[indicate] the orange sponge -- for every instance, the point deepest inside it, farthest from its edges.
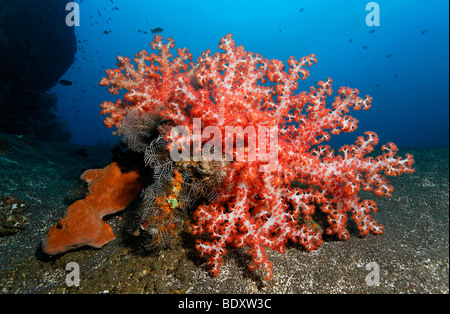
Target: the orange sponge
(110, 191)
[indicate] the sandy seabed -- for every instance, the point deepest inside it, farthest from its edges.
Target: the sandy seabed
(412, 256)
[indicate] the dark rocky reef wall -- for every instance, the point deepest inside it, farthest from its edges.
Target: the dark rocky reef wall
(36, 49)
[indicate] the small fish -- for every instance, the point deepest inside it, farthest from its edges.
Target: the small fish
(350, 41)
(65, 82)
(364, 47)
(157, 30)
(396, 75)
(371, 31)
(424, 31)
(388, 56)
(301, 10)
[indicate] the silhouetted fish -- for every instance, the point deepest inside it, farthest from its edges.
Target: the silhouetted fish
(65, 82)
(157, 30)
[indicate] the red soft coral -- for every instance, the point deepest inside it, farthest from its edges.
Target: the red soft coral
(235, 91)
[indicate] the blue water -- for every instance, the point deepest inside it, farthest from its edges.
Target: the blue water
(409, 88)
